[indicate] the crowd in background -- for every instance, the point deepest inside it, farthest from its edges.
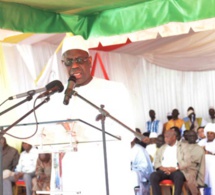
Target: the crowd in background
(177, 151)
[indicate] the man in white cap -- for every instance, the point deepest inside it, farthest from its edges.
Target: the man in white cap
(210, 134)
(84, 170)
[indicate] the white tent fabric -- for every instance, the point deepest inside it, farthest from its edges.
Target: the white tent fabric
(188, 52)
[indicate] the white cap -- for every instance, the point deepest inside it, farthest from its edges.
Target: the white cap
(74, 42)
(190, 112)
(153, 135)
(210, 127)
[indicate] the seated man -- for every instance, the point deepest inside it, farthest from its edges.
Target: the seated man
(193, 122)
(153, 125)
(201, 136)
(197, 157)
(210, 144)
(175, 121)
(43, 173)
(173, 161)
(10, 156)
(142, 167)
(24, 170)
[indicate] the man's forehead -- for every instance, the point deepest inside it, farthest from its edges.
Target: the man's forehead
(169, 133)
(211, 132)
(75, 52)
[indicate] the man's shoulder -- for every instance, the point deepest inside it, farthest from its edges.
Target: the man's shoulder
(101, 82)
(198, 148)
(162, 148)
(182, 145)
(12, 149)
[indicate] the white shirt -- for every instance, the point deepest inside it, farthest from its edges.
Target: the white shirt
(27, 161)
(170, 156)
(84, 170)
(210, 146)
(202, 142)
(151, 149)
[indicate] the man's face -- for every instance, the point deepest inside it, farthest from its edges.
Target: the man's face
(160, 141)
(191, 137)
(211, 112)
(170, 137)
(200, 133)
(80, 67)
(210, 136)
(26, 146)
(175, 114)
(185, 135)
(152, 114)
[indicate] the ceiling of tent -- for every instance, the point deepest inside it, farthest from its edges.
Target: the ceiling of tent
(149, 28)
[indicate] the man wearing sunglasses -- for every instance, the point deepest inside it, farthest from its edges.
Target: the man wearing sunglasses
(84, 170)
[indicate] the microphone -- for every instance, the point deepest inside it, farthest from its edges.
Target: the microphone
(32, 92)
(192, 118)
(54, 86)
(69, 90)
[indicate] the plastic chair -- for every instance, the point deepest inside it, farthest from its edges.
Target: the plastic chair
(169, 183)
(20, 188)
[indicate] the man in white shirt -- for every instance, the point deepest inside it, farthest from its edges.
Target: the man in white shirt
(172, 161)
(201, 136)
(25, 169)
(84, 170)
(210, 144)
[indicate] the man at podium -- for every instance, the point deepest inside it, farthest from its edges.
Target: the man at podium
(83, 171)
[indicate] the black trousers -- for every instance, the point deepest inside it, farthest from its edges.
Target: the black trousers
(177, 177)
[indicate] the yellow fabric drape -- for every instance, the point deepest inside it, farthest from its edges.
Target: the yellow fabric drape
(5, 89)
(56, 51)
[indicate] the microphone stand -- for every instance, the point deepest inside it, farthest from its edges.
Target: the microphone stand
(105, 113)
(102, 116)
(25, 115)
(8, 128)
(1, 135)
(19, 103)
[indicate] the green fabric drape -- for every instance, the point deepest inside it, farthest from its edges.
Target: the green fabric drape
(112, 21)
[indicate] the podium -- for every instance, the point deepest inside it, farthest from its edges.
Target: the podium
(53, 138)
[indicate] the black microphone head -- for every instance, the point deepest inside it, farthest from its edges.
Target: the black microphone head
(72, 78)
(55, 83)
(60, 86)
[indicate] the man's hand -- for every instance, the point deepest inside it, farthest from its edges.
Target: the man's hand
(168, 170)
(41, 177)
(17, 176)
(146, 140)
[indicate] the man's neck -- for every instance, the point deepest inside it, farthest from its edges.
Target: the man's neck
(4, 147)
(173, 144)
(152, 119)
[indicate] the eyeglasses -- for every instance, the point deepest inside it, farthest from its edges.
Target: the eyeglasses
(80, 60)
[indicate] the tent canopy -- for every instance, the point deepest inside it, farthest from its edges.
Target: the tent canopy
(99, 18)
(169, 33)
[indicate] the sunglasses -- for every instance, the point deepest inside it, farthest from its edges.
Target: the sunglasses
(80, 60)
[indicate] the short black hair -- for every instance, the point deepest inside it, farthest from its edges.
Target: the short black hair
(177, 132)
(201, 127)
